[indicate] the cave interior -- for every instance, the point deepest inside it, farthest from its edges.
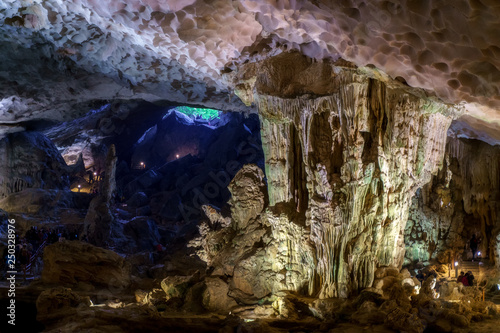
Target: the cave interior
(250, 166)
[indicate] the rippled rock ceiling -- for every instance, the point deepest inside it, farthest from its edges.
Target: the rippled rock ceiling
(57, 56)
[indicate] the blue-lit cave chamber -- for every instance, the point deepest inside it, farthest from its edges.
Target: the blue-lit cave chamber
(170, 162)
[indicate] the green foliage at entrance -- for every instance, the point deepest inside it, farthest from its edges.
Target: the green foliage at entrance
(207, 114)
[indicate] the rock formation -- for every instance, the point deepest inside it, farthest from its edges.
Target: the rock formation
(461, 200)
(349, 162)
(351, 152)
(78, 264)
(341, 171)
(99, 220)
(30, 160)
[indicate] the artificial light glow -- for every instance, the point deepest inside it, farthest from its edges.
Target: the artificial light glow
(456, 263)
(207, 114)
(79, 186)
(177, 156)
(479, 253)
(95, 173)
(142, 163)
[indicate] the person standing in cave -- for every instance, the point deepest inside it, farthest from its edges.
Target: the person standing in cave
(473, 245)
(91, 176)
(470, 278)
(465, 280)
(420, 276)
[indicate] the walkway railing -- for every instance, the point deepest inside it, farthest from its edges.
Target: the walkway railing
(28, 267)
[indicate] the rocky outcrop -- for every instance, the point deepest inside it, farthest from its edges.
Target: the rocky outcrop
(71, 263)
(30, 160)
(58, 303)
(99, 219)
(43, 202)
(461, 200)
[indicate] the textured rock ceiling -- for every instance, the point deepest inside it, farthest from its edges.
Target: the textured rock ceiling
(60, 57)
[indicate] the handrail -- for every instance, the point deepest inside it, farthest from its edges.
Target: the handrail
(34, 256)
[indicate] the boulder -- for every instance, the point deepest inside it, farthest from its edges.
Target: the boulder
(138, 199)
(143, 232)
(402, 321)
(70, 262)
(215, 296)
(177, 286)
(285, 308)
(382, 272)
(369, 314)
(384, 283)
(57, 303)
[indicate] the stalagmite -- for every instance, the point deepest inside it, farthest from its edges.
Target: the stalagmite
(98, 221)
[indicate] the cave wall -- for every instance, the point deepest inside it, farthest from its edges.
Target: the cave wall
(30, 160)
(461, 200)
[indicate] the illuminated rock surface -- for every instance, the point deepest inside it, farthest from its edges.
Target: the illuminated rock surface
(350, 151)
(461, 200)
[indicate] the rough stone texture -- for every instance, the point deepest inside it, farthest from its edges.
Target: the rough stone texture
(350, 163)
(461, 200)
(57, 303)
(247, 196)
(38, 201)
(109, 183)
(177, 286)
(143, 233)
(98, 221)
(260, 249)
(215, 296)
(341, 171)
(58, 55)
(71, 262)
(30, 160)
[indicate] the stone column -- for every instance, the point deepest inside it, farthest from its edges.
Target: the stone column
(348, 161)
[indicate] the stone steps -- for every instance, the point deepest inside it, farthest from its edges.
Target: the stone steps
(473, 266)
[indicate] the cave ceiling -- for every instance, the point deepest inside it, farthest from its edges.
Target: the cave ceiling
(61, 57)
